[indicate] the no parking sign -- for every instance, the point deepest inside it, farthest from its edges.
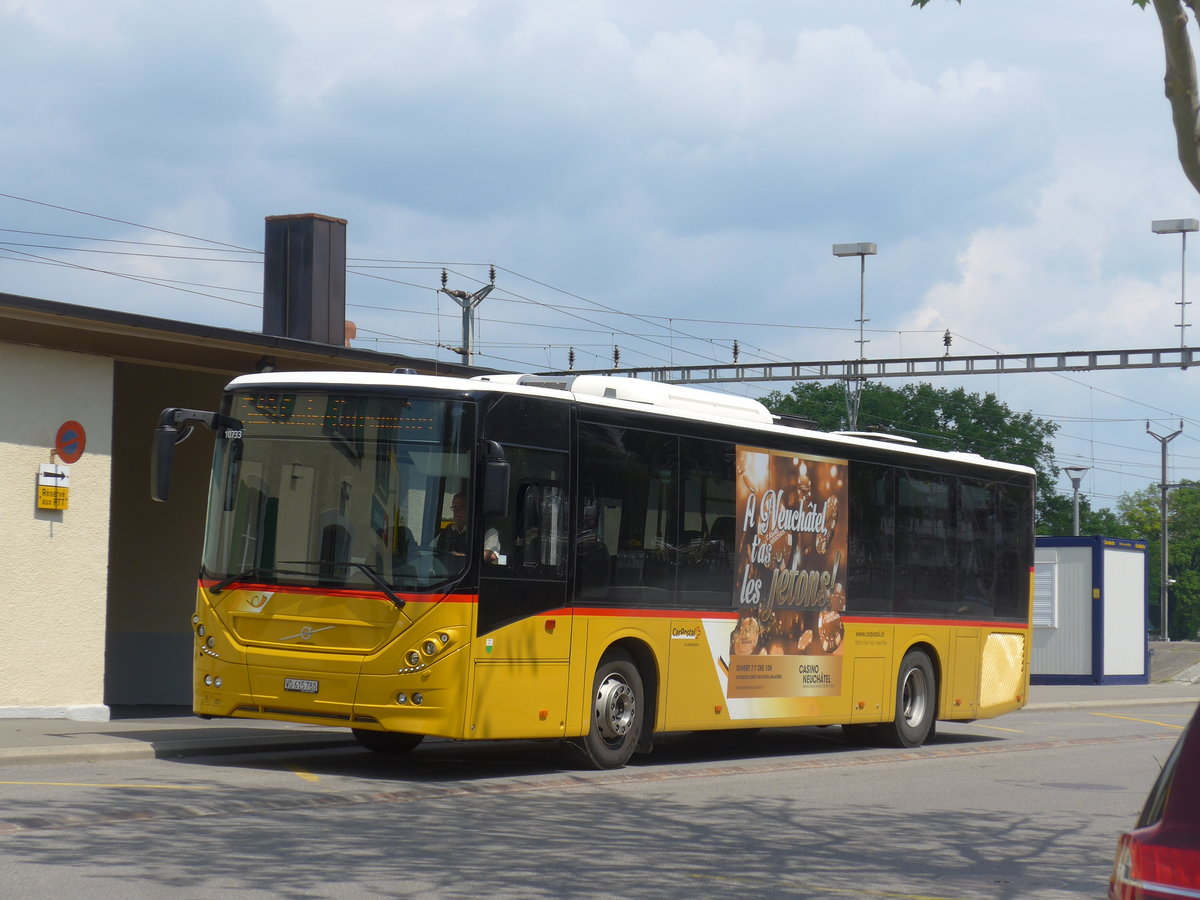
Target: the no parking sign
(70, 441)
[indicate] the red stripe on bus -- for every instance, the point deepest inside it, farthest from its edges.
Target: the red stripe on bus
(207, 584)
(854, 620)
(652, 613)
(962, 623)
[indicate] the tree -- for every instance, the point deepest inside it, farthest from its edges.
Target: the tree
(1141, 512)
(1102, 521)
(941, 419)
(1056, 516)
(1180, 83)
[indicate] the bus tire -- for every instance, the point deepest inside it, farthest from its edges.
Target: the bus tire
(916, 703)
(617, 709)
(395, 743)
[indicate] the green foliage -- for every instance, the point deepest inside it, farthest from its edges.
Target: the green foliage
(1103, 521)
(1057, 517)
(940, 419)
(1142, 513)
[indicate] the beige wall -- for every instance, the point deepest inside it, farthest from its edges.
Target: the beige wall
(53, 581)
(155, 550)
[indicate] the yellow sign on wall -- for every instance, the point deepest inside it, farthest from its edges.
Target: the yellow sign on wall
(54, 483)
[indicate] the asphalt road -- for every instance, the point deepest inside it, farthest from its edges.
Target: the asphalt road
(1028, 805)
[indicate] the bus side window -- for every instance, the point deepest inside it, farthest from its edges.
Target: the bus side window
(708, 523)
(925, 550)
(1015, 514)
(631, 476)
(977, 548)
(872, 537)
(532, 538)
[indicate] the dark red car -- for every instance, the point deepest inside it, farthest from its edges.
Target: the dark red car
(1160, 858)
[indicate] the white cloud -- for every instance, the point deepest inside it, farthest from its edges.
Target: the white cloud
(1054, 274)
(684, 158)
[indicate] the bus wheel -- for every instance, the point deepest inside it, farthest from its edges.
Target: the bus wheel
(617, 706)
(394, 742)
(916, 703)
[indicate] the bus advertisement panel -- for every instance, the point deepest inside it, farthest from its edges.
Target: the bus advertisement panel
(791, 553)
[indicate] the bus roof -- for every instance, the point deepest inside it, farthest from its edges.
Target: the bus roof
(653, 397)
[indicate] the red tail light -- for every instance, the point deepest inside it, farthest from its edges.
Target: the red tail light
(1154, 863)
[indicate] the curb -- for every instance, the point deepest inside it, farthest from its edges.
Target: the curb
(1090, 704)
(167, 749)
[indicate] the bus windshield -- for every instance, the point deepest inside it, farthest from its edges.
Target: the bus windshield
(338, 490)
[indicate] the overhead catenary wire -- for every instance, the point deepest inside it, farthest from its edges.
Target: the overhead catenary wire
(664, 333)
(80, 212)
(144, 279)
(669, 332)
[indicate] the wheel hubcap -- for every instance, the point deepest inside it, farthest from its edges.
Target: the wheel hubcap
(914, 697)
(615, 708)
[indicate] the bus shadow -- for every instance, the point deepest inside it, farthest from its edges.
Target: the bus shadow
(441, 761)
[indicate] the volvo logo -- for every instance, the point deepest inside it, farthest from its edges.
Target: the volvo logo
(306, 633)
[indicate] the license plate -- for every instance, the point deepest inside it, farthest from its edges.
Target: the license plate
(302, 685)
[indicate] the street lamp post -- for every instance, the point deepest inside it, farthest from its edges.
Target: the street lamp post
(854, 392)
(1180, 227)
(1075, 473)
(1162, 585)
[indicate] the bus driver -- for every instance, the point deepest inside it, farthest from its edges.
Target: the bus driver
(452, 540)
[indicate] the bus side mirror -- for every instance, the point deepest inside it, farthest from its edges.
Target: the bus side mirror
(162, 460)
(173, 428)
(495, 481)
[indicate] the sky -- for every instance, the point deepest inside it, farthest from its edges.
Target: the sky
(665, 178)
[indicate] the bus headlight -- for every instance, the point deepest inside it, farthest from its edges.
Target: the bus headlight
(430, 648)
(413, 658)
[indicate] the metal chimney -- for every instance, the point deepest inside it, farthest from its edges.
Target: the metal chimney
(304, 278)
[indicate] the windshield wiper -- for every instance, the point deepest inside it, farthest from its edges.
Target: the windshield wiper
(375, 578)
(250, 573)
(379, 582)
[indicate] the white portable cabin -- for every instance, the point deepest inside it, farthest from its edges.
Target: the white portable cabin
(1090, 611)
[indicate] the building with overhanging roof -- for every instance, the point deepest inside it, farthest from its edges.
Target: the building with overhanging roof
(96, 598)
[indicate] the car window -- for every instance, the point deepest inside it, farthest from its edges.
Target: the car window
(1155, 803)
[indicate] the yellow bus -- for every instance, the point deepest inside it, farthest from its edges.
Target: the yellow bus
(593, 560)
